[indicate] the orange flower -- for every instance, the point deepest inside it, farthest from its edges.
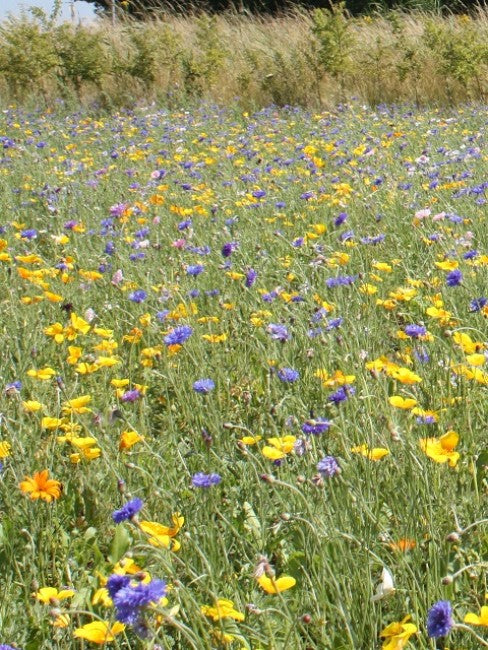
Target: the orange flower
(40, 486)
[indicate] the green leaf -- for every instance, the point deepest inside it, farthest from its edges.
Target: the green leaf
(120, 544)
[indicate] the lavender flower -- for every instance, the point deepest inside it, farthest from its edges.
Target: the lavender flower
(439, 619)
(316, 427)
(128, 510)
(178, 335)
(138, 296)
(288, 375)
(328, 466)
(131, 599)
(201, 480)
(228, 248)
(251, 276)
(477, 304)
(341, 394)
(415, 331)
(454, 278)
(195, 270)
(278, 332)
(131, 395)
(203, 386)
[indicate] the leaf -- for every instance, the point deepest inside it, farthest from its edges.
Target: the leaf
(120, 544)
(251, 523)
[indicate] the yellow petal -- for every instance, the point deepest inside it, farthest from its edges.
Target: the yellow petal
(271, 586)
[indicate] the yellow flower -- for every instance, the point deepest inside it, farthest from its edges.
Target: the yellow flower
(77, 405)
(4, 449)
(40, 486)
(79, 324)
(441, 450)
(278, 447)
(377, 453)
(51, 423)
(102, 597)
(162, 536)
(50, 595)
(402, 402)
(223, 609)
(474, 619)
(128, 439)
(31, 406)
(397, 634)
(276, 585)
(250, 440)
(56, 331)
(44, 373)
(99, 632)
(403, 375)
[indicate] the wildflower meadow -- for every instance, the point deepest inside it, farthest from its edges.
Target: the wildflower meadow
(244, 378)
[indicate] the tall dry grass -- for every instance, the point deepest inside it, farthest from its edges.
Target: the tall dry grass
(300, 58)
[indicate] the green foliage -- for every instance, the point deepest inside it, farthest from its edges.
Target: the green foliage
(82, 57)
(27, 54)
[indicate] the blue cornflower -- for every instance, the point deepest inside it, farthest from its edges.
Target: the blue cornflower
(251, 276)
(259, 194)
(4, 646)
(30, 233)
(340, 280)
(415, 331)
(117, 582)
(334, 323)
(298, 242)
(13, 387)
(178, 335)
(138, 296)
(195, 270)
(128, 510)
(203, 386)
(339, 220)
(131, 395)
(477, 304)
(341, 394)
(328, 466)
(278, 332)
(131, 599)
(201, 480)
(421, 355)
(454, 278)
(109, 248)
(228, 248)
(183, 225)
(439, 619)
(316, 427)
(288, 375)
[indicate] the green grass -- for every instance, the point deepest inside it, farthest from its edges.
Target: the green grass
(333, 535)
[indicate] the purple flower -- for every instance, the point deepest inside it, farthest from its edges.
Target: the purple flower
(477, 304)
(328, 466)
(195, 270)
(334, 323)
(341, 394)
(131, 395)
(128, 510)
(454, 278)
(259, 194)
(339, 220)
(229, 248)
(178, 335)
(316, 427)
(13, 387)
(201, 480)
(278, 332)
(415, 331)
(131, 599)
(117, 582)
(340, 280)
(439, 619)
(288, 375)
(118, 209)
(4, 646)
(138, 296)
(30, 233)
(251, 276)
(203, 386)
